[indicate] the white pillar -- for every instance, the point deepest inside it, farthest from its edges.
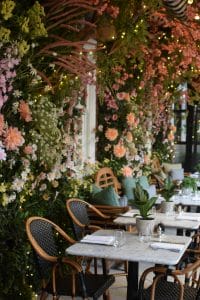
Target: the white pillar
(89, 118)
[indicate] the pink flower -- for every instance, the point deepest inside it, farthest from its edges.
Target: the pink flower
(170, 136)
(131, 119)
(114, 117)
(120, 96)
(119, 150)
(127, 171)
(24, 111)
(123, 96)
(129, 137)
(28, 149)
(111, 134)
(115, 87)
(172, 128)
(13, 138)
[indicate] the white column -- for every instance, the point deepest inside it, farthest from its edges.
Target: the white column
(89, 118)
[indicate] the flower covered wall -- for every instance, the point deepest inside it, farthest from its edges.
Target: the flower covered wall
(44, 68)
(141, 56)
(141, 65)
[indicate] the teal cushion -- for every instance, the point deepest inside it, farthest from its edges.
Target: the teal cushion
(143, 181)
(96, 189)
(106, 196)
(128, 184)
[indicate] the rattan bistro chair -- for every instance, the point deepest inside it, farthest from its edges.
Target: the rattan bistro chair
(61, 276)
(78, 211)
(103, 179)
(194, 247)
(184, 284)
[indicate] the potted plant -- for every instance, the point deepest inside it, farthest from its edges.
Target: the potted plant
(189, 185)
(167, 205)
(142, 201)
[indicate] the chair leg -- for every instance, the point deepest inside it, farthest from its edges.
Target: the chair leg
(95, 266)
(43, 295)
(107, 295)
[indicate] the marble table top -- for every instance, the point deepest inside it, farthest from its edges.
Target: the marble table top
(133, 250)
(167, 220)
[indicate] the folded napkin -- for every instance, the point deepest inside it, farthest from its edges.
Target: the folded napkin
(167, 246)
(98, 239)
(188, 218)
(129, 214)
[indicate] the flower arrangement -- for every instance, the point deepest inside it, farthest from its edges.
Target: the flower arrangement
(143, 78)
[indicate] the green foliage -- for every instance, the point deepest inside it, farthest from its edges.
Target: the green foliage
(197, 168)
(13, 254)
(189, 182)
(142, 201)
(168, 190)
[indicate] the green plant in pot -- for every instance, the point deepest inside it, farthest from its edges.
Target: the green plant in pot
(189, 185)
(168, 190)
(142, 201)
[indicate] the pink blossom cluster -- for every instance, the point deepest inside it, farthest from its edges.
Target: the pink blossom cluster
(106, 7)
(121, 76)
(10, 138)
(110, 101)
(7, 74)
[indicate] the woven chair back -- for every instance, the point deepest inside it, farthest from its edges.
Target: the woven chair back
(78, 211)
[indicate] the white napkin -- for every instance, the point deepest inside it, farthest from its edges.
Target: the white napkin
(167, 246)
(129, 214)
(188, 218)
(98, 239)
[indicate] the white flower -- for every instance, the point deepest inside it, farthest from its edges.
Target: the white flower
(137, 157)
(17, 93)
(63, 168)
(51, 176)
(3, 154)
(43, 187)
(52, 65)
(24, 174)
(12, 197)
(18, 185)
(100, 128)
(15, 107)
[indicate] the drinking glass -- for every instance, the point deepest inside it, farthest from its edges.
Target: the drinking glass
(153, 212)
(119, 238)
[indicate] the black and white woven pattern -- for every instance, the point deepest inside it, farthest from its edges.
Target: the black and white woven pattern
(42, 232)
(177, 8)
(79, 209)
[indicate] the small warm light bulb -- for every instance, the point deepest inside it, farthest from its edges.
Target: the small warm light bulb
(190, 1)
(197, 17)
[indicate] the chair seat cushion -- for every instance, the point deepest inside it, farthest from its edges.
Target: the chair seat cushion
(106, 196)
(96, 285)
(166, 290)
